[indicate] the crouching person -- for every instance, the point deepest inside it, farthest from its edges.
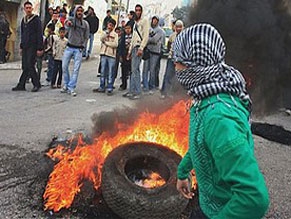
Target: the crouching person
(109, 43)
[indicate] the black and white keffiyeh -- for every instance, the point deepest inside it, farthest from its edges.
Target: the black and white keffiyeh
(202, 49)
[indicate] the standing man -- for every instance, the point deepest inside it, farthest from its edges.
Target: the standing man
(170, 81)
(31, 45)
(109, 43)
(154, 44)
(139, 41)
(48, 15)
(106, 20)
(93, 21)
(131, 21)
(78, 34)
(56, 21)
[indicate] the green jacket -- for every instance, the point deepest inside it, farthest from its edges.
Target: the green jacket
(221, 150)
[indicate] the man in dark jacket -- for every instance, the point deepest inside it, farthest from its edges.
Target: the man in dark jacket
(93, 21)
(106, 20)
(131, 21)
(4, 34)
(31, 45)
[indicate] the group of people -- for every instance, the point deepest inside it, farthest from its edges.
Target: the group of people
(65, 38)
(62, 40)
(126, 45)
(221, 147)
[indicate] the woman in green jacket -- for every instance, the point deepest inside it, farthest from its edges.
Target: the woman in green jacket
(221, 147)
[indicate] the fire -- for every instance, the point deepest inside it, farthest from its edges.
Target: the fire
(154, 180)
(85, 161)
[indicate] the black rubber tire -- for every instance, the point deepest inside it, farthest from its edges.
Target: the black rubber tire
(131, 201)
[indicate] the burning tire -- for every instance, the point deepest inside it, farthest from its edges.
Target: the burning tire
(122, 172)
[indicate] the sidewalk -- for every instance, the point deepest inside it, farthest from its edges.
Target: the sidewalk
(15, 65)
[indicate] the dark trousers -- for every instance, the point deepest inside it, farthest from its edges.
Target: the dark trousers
(125, 72)
(28, 68)
(58, 71)
(3, 40)
(116, 66)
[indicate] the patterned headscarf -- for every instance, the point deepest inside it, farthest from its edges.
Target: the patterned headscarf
(202, 49)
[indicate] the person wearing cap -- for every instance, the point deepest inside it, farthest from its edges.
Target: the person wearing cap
(93, 21)
(106, 20)
(138, 43)
(169, 81)
(155, 40)
(221, 145)
(78, 35)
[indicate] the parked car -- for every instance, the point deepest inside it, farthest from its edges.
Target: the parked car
(168, 32)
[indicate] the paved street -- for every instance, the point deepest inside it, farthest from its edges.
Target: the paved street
(36, 117)
(28, 122)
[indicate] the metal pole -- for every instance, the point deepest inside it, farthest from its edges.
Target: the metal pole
(43, 11)
(119, 7)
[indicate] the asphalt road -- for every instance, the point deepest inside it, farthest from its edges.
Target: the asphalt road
(29, 121)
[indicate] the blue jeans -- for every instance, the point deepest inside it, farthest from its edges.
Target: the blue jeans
(168, 77)
(135, 83)
(90, 41)
(145, 74)
(149, 72)
(50, 69)
(107, 72)
(70, 82)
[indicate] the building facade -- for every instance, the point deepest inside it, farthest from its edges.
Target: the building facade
(14, 13)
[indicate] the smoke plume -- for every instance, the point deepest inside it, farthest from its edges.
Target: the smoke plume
(106, 121)
(257, 34)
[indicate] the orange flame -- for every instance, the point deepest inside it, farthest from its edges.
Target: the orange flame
(154, 180)
(85, 161)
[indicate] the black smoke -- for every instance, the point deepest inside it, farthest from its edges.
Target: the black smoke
(258, 39)
(126, 116)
